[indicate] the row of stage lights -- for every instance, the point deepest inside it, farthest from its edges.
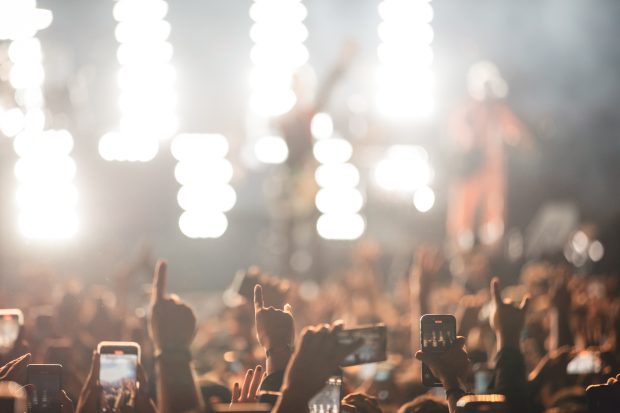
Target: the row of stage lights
(46, 196)
(148, 116)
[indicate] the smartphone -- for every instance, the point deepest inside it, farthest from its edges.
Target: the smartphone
(11, 321)
(437, 333)
(585, 362)
(117, 371)
(373, 347)
(46, 380)
(482, 403)
(328, 399)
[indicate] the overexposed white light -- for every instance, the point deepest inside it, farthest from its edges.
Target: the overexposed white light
(333, 150)
(140, 10)
(276, 103)
(271, 150)
(338, 175)
(189, 146)
(405, 176)
(208, 173)
(424, 199)
(197, 224)
(404, 78)
(339, 200)
(11, 122)
(580, 242)
(217, 198)
(596, 251)
(25, 50)
(322, 126)
(278, 52)
(340, 226)
(47, 226)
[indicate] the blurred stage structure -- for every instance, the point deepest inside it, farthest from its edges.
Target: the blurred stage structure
(284, 131)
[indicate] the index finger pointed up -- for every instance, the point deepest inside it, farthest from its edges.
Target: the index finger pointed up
(258, 298)
(495, 291)
(159, 281)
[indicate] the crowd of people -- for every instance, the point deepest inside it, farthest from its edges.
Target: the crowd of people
(545, 342)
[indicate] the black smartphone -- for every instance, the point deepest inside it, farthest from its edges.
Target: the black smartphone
(437, 333)
(46, 381)
(11, 321)
(118, 368)
(373, 348)
(328, 399)
(482, 403)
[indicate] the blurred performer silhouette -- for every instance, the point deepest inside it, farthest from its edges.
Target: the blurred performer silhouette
(295, 127)
(479, 130)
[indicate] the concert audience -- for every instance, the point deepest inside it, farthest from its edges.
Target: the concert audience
(278, 344)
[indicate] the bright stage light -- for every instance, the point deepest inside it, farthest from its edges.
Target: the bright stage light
(197, 146)
(211, 172)
(340, 175)
(338, 200)
(404, 168)
(424, 199)
(332, 151)
(340, 226)
(322, 126)
(146, 80)
(46, 197)
(404, 78)
(12, 121)
(271, 150)
(278, 34)
(204, 175)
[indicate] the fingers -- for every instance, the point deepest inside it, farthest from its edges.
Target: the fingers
(256, 379)
(66, 405)
(259, 304)
(525, 302)
(495, 291)
(93, 375)
(142, 382)
(288, 308)
(419, 355)
(246, 382)
(236, 393)
(159, 281)
(460, 341)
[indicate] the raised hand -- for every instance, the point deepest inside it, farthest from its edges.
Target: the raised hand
(91, 391)
(274, 327)
(450, 367)
(16, 370)
(507, 319)
(172, 324)
(313, 362)
(360, 403)
(247, 392)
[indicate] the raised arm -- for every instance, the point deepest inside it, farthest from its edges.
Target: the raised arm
(172, 326)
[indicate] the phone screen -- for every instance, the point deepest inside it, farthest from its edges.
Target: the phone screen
(373, 348)
(585, 362)
(117, 375)
(328, 399)
(9, 330)
(46, 382)
(437, 333)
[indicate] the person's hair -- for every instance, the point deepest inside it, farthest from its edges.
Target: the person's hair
(425, 404)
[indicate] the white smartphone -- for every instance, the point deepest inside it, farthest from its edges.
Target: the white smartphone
(11, 321)
(117, 371)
